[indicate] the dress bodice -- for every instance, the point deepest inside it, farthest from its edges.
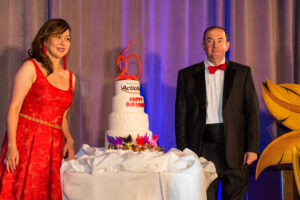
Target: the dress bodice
(43, 97)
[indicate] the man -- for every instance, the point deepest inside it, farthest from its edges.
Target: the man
(217, 115)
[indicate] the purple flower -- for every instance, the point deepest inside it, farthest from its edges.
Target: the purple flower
(118, 141)
(110, 139)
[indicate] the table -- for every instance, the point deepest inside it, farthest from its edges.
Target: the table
(122, 175)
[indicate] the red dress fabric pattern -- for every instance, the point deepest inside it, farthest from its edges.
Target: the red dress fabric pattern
(37, 176)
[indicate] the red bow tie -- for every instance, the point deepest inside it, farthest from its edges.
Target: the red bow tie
(213, 69)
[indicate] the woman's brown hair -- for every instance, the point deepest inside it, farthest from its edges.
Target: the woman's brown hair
(51, 28)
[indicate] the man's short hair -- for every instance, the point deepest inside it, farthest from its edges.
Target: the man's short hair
(215, 27)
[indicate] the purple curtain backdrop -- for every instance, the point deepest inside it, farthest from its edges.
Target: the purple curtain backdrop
(168, 37)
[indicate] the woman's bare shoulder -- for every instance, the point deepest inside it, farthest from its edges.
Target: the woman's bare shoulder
(28, 66)
(27, 69)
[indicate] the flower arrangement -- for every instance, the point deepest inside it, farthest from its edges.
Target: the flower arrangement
(141, 143)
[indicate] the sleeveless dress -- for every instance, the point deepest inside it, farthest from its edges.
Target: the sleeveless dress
(40, 142)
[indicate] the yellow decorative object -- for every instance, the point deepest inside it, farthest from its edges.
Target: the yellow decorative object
(283, 101)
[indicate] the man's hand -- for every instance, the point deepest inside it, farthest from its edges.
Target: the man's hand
(249, 158)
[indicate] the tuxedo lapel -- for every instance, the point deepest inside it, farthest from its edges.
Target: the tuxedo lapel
(228, 81)
(200, 86)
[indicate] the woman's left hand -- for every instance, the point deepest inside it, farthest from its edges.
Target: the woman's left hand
(69, 150)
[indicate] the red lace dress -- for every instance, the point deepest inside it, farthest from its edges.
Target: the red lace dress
(40, 141)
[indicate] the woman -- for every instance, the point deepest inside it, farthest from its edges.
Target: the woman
(38, 136)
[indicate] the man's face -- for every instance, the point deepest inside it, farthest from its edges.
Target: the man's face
(215, 45)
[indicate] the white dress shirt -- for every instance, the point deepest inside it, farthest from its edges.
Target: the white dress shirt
(214, 94)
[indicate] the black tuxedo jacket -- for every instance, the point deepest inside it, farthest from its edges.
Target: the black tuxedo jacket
(240, 111)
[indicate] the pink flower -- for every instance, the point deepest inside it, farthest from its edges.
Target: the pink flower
(153, 141)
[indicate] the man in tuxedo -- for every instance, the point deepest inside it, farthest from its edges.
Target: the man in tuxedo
(217, 115)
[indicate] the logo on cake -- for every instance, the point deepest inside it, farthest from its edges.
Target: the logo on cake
(131, 89)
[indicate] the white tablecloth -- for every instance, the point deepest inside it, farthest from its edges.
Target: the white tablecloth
(127, 175)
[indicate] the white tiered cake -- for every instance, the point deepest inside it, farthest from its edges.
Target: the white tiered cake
(128, 116)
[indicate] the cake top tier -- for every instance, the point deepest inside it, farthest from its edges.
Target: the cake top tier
(127, 87)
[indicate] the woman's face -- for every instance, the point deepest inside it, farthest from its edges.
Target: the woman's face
(58, 46)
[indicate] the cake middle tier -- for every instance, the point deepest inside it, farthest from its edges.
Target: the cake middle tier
(128, 121)
(128, 103)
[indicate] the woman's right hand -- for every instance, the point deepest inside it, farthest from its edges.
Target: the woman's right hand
(11, 158)
(23, 81)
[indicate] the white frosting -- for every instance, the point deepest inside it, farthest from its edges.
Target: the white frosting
(128, 121)
(128, 116)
